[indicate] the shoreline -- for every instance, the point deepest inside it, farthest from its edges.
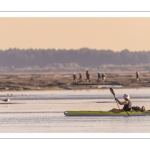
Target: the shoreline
(64, 81)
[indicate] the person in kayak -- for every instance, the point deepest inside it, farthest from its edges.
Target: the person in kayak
(127, 104)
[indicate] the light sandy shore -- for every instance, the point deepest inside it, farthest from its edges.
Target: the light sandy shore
(59, 81)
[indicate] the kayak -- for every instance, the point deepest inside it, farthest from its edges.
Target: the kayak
(106, 113)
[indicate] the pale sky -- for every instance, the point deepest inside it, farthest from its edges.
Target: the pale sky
(75, 33)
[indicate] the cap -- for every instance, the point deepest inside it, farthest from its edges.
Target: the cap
(126, 96)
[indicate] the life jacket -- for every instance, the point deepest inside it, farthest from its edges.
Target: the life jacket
(128, 106)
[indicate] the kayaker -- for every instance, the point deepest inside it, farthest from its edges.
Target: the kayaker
(127, 104)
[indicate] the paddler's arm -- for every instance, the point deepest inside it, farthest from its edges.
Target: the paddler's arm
(121, 103)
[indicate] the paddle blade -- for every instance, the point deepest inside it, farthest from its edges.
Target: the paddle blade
(112, 91)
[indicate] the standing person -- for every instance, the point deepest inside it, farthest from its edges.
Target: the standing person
(103, 77)
(80, 76)
(137, 76)
(74, 77)
(87, 76)
(99, 76)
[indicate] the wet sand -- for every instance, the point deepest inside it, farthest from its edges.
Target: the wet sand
(62, 81)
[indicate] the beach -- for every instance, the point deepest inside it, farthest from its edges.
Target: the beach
(64, 81)
(38, 102)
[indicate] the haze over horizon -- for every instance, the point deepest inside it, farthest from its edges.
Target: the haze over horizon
(75, 33)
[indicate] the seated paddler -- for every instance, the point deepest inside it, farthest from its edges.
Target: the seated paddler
(127, 104)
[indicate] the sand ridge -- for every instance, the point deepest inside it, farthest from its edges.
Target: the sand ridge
(64, 81)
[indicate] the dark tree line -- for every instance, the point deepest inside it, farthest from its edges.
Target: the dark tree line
(83, 57)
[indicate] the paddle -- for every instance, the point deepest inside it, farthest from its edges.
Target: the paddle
(112, 91)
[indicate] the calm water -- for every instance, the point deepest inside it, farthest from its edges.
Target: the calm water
(42, 112)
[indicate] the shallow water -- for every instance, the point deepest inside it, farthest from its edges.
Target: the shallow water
(43, 112)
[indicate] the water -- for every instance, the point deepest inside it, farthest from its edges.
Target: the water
(43, 112)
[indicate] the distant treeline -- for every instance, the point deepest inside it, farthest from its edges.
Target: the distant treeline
(65, 59)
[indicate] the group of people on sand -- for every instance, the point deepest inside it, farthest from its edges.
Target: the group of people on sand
(75, 76)
(80, 76)
(127, 105)
(101, 76)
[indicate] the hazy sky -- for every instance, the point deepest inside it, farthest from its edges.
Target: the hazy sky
(66, 33)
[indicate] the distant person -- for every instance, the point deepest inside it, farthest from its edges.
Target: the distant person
(80, 76)
(103, 77)
(99, 76)
(137, 76)
(74, 77)
(87, 76)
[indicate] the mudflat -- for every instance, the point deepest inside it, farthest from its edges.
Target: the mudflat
(59, 81)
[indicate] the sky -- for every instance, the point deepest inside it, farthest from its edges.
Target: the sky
(114, 33)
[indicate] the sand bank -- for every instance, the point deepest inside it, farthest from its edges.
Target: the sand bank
(64, 81)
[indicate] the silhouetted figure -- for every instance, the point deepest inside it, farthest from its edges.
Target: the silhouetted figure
(99, 76)
(74, 77)
(80, 76)
(137, 76)
(103, 77)
(87, 76)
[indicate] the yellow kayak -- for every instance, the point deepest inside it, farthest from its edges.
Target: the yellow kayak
(105, 113)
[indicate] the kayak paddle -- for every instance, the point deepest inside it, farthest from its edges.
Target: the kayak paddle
(112, 91)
